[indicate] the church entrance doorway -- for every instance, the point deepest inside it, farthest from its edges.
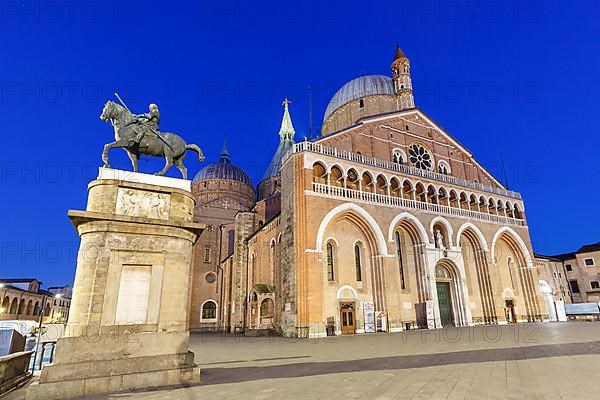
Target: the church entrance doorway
(347, 318)
(511, 317)
(445, 302)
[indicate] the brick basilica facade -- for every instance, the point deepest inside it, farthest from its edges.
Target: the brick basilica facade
(384, 222)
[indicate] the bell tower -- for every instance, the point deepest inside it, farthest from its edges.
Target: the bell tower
(402, 81)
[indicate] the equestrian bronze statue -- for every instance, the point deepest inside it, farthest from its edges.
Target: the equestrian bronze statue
(139, 135)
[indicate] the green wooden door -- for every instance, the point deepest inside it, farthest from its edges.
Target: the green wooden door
(445, 302)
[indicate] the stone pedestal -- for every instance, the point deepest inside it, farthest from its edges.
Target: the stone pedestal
(127, 326)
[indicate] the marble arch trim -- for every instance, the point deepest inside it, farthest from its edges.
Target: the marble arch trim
(476, 230)
(409, 217)
(361, 212)
(519, 241)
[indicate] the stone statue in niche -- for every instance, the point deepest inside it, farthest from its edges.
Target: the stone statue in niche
(439, 239)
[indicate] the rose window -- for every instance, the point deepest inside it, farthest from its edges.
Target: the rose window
(419, 156)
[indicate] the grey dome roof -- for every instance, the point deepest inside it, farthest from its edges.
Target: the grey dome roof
(223, 169)
(357, 88)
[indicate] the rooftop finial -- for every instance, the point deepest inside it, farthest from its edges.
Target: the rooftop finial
(224, 152)
(287, 129)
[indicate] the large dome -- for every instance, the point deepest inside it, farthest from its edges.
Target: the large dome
(362, 86)
(223, 169)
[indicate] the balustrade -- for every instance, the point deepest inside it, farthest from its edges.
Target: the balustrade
(404, 169)
(351, 194)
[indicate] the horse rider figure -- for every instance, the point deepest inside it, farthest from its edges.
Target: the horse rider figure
(146, 121)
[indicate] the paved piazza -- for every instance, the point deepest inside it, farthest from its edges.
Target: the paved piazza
(533, 361)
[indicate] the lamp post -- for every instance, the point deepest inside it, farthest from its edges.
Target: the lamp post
(39, 336)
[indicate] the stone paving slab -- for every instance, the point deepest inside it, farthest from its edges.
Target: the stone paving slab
(542, 361)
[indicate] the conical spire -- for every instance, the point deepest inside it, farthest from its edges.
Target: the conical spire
(224, 152)
(287, 129)
(399, 53)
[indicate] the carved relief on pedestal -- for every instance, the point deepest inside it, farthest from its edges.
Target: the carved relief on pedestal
(138, 203)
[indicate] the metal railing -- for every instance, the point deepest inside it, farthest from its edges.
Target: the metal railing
(352, 194)
(404, 169)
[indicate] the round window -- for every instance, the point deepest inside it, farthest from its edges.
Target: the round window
(211, 278)
(420, 157)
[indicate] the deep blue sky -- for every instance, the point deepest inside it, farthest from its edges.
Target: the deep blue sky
(513, 78)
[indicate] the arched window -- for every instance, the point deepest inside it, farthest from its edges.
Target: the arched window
(483, 205)
(319, 173)
(421, 193)
(432, 195)
(352, 181)
(517, 212)
(6, 304)
(454, 199)
(21, 310)
(357, 262)
(398, 156)
(253, 265)
(272, 257)
(209, 311)
(400, 265)
(395, 187)
(361, 103)
(407, 189)
(381, 185)
(330, 275)
(14, 306)
(367, 183)
(444, 168)
(443, 197)
(336, 177)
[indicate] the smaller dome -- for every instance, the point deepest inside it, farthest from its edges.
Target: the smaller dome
(369, 85)
(223, 169)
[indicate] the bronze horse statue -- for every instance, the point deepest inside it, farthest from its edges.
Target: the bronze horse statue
(168, 145)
